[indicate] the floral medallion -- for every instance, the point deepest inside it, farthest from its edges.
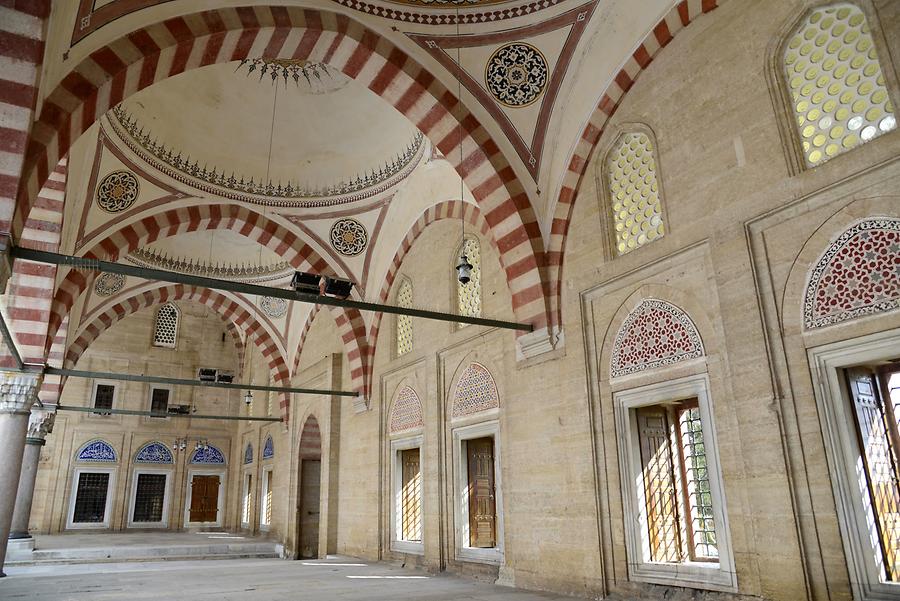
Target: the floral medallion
(517, 74)
(349, 237)
(117, 191)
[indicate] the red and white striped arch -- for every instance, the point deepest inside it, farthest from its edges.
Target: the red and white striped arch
(449, 209)
(155, 52)
(30, 289)
(681, 15)
(236, 218)
(227, 308)
(352, 331)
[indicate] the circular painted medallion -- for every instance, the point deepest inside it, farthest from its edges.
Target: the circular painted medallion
(349, 237)
(516, 74)
(273, 307)
(117, 191)
(109, 283)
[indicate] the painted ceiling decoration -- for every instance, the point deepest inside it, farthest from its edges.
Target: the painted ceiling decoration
(516, 74)
(117, 191)
(154, 259)
(273, 307)
(309, 77)
(349, 237)
(469, 12)
(526, 67)
(108, 284)
(216, 181)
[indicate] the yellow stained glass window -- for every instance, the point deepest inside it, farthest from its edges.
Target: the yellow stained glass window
(469, 295)
(634, 192)
(404, 322)
(836, 84)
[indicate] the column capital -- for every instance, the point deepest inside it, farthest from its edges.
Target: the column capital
(40, 424)
(18, 391)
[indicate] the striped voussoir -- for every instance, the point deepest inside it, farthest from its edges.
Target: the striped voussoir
(153, 53)
(30, 291)
(303, 334)
(221, 304)
(352, 330)
(239, 219)
(449, 209)
(52, 385)
(681, 15)
(21, 55)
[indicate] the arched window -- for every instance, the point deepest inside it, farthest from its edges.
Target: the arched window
(468, 296)
(166, 330)
(634, 192)
(838, 94)
(404, 322)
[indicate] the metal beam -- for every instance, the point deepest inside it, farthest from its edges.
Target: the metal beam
(151, 414)
(147, 273)
(75, 373)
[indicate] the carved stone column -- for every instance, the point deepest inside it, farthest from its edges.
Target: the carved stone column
(18, 392)
(39, 425)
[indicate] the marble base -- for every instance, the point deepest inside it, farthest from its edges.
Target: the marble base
(19, 549)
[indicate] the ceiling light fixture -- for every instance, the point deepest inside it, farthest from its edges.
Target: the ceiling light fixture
(464, 268)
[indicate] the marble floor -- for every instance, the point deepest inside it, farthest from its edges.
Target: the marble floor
(337, 578)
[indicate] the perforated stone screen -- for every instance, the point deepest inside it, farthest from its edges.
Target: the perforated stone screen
(407, 411)
(475, 392)
(469, 295)
(404, 322)
(166, 331)
(836, 83)
(634, 192)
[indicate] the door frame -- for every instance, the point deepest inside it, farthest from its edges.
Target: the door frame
(270, 472)
(464, 552)
(397, 543)
(219, 502)
(167, 495)
(842, 452)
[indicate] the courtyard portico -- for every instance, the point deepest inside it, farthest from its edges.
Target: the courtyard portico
(422, 298)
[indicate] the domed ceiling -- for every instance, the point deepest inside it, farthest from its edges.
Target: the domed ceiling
(331, 141)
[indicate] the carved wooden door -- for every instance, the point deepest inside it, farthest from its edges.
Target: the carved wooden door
(482, 504)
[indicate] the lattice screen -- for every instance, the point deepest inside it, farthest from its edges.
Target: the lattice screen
(166, 331)
(634, 191)
(836, 83)
(404, 322)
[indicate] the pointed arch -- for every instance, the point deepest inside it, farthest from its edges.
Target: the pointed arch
(160, 50)
(682, 14)
(218, 302)
(311, 439)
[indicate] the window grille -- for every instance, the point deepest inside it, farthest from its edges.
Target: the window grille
(837, 87)
(634, 192)
(90, 498)
(404, 322)
(468, 296)
(166, 331)
(149, 497)
(248, 496)
(677, 497)
(103, 397)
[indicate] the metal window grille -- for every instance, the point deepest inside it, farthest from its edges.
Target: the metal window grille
(701, 527)
(248, 496)
(411, 495)
(90, 498)
(267, 500)
(149, 497)
(103, 397)
(159, 402)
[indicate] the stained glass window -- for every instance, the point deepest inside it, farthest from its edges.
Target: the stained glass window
(166, 331)
(404, 322)
(469, 295)
(634, 192)
(837, 87)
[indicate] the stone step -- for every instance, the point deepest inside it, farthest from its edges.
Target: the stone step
(151, 553)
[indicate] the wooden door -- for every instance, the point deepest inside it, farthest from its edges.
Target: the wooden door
(879, 458)
(204, 498)
(310, 474)
(482, 505)
(663, 524)
(411, 495)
